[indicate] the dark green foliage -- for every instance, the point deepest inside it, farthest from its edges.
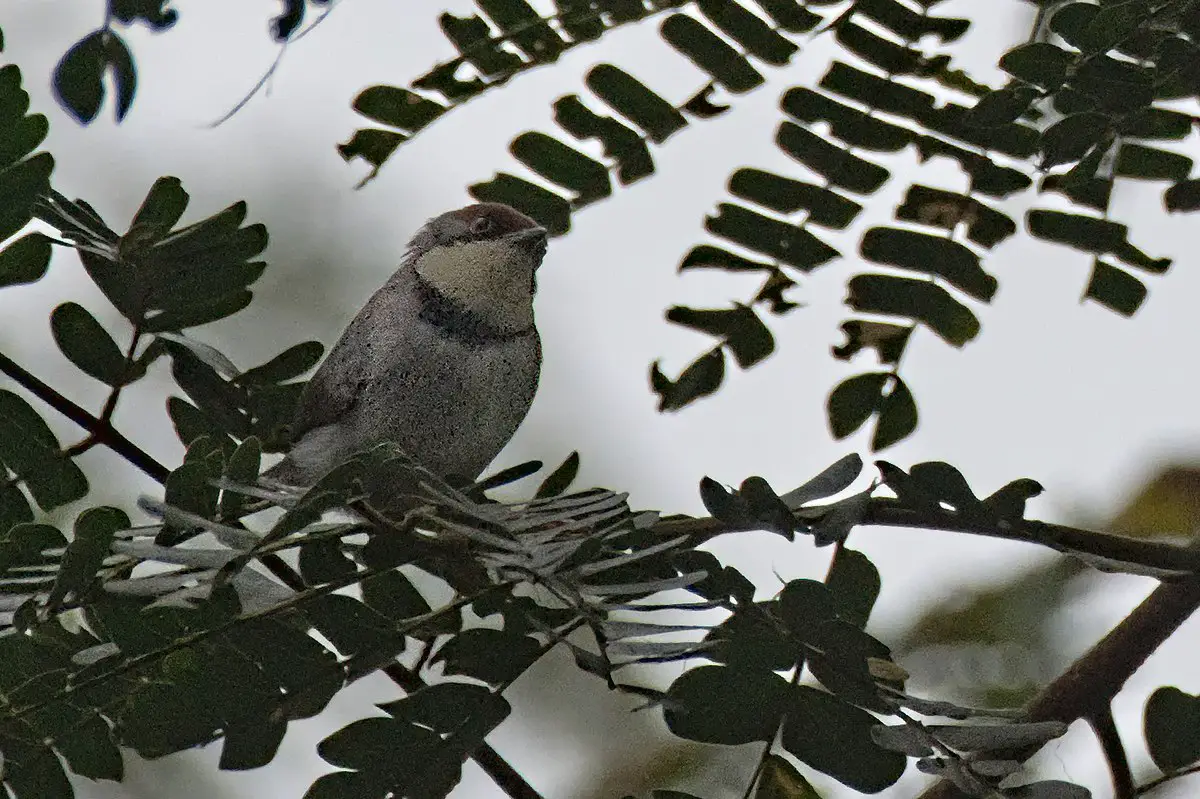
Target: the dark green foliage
(30, 450)
(206, 647)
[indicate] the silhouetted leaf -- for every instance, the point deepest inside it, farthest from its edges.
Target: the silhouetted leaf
(710, 53)
(1071, 138)
(548, 209)
(748, 30)
(933, 255)
(766, 508)
(838, 166)
(947, 210)
(563, 165)
(79, 77)
(20, 185)
(1172, 728)
(492, 656)
(779, 779)
(854, 401)
(1149, 163)
(785, 195)
(790, 244)
(400, 108)
(897, 416)
(558, 481)
(626, 95)
(621, 143)
(921, 300)
(1183, 196)
(886, 339)
(701, 378)
(292, 362)
(1002, 106)
(739, 328)
(854, 584)
(1115, 288)
(1039, 63)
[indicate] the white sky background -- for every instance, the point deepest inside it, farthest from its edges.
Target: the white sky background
(1073, 395)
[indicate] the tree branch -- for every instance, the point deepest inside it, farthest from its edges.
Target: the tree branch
(884, 512)
(101, 431)
(1086, 689)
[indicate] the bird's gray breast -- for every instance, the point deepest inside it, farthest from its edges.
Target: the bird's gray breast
(450, 403)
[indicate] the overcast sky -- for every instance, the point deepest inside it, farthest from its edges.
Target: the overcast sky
(1071, 394)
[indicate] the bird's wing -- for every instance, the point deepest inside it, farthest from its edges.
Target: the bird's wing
(337, 384)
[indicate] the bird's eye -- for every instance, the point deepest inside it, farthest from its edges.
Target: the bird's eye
(481, 225)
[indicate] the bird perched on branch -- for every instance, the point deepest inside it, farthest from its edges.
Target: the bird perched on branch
(443, 360)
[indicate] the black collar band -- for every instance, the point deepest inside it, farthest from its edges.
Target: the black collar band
(457, 322)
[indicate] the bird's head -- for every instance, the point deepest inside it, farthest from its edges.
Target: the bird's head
(482, 258)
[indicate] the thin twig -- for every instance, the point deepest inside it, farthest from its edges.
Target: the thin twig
(1105, 728)
(240, 104)
(1142, 790)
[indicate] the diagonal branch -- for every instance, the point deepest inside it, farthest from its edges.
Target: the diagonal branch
(100, 430)
(1086, 689)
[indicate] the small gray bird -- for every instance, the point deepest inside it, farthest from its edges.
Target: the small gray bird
(443, 360)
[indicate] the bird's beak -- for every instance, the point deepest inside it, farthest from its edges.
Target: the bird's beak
(534, 238)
